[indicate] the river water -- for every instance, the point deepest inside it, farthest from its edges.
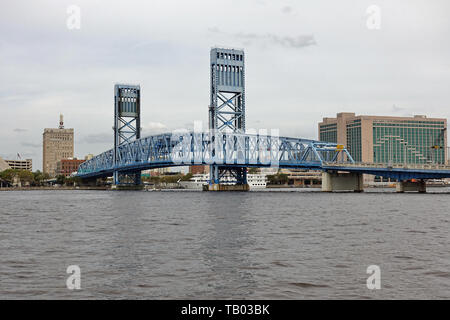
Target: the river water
(206, 245)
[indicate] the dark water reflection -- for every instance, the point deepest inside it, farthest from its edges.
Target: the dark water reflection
(274, 245)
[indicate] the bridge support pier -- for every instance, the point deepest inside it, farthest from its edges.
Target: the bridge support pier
(127, 181)
(335, 181)
(406, 186)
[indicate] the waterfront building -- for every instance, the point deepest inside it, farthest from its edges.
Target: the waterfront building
(303, 178)
(269, 170)
(3, 165)
(199, 169)
(26, 164)
(68, 166)
(388, 140)
(448, 158)
(159, 171)
(57, 145)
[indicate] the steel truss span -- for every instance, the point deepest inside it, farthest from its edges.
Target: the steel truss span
(227, 150)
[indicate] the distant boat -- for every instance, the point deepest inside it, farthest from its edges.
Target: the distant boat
(195, 183)
(255, 181)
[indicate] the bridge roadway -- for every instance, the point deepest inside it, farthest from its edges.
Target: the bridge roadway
(396, 171)
(243, 150)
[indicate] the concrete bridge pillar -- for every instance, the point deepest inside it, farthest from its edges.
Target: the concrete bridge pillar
(336, 181)
(417, 186)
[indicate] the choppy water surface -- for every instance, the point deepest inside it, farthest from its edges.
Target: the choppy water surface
(200, 245)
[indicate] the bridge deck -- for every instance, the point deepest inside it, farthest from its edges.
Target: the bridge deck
(243, 150)
(396, 171)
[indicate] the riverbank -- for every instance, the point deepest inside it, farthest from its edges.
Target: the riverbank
(152, 188)
(55, 188)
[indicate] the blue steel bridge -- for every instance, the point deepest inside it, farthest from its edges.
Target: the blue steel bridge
(228, 148)
(243, 150)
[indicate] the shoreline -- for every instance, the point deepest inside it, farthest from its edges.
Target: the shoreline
(105, 188)
(52, 188)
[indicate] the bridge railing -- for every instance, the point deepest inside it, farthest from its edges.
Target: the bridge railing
(227, 149)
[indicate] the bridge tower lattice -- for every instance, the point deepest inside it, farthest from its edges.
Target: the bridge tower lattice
(127, 127)
(227, 105)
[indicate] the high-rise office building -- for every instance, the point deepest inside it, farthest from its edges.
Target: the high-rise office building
(58, 144)
(379, 139)
(448, 152)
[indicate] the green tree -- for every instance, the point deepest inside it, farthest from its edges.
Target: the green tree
(186, 177)
(8, 175)
(283, 178)
(253, 170)
(38, 177)
(171, 178)
(279, 178)
(60, 179)
(25, 176)
(70, 181)
(155, 179)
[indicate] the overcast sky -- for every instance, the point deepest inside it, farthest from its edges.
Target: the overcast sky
(304, 60)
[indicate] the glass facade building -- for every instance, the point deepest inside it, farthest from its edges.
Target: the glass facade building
(405, 141)
(388, 140)
(328, 133)
(354, 142)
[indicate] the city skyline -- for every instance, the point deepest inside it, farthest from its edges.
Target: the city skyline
(224, 159)
(331, 62)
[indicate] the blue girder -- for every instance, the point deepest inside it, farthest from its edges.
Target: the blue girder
(402, 174)
(234, 150)
(218, 148)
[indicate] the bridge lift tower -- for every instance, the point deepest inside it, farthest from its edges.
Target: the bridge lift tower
(127, 127)
(227, 108)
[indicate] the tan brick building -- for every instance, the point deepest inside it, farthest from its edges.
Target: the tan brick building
(57, 145)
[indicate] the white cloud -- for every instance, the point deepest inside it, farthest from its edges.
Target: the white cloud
(153, 128)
